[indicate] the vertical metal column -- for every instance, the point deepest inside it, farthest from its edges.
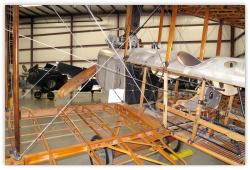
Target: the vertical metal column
(71, 40)
(31, 43)
(16, 77)
(204, 33)
(232, 42)
(169, 48)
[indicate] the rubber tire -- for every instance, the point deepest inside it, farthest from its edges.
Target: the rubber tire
(38, 95)
(177, 148)
(108, 152)
(51, 95)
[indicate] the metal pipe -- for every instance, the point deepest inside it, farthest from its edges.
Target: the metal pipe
(232, 42)
(16, 78)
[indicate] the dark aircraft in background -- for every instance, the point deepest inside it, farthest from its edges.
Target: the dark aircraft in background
(55, 79)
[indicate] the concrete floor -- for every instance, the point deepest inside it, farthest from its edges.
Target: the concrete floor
(28, 102)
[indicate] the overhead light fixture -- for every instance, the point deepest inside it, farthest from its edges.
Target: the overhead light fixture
(29, 5)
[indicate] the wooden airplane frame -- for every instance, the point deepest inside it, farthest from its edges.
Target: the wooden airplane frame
(146, 131)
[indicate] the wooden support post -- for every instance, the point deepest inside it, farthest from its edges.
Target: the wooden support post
(143, 85)
(198, 112)
(171, 33)
(6, 58)
(169, 47)
(204, 33)
(218, 48)
(160, 29)
(176, 88)
(16, 77)
(230, 103)
(129, 20)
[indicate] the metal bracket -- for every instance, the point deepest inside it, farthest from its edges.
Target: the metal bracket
(159, 46)
(166, 64)
(202, 102)
(125, 57)
(17, 156)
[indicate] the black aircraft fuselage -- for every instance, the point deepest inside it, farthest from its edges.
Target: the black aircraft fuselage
(52, 78)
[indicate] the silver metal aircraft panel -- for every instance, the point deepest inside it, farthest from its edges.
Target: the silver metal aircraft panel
(224, 69)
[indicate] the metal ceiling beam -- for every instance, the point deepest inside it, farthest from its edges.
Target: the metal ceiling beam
(25, 13)
(72, 6)
(63, 9)
(93, 13)
(31, 11)
(239, 36)
(101, 8)
(114, 8)
(40, 10)
(46, 6)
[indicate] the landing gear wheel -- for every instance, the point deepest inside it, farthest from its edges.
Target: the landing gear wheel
(51, 95)
(175, 145)
(38, 95)
(105, 154)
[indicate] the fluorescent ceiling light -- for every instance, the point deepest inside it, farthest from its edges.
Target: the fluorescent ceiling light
(30, 5)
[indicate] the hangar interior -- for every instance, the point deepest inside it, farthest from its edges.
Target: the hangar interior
(75, 35)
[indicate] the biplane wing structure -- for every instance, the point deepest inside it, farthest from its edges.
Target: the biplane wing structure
(147, 122)
(222, 69)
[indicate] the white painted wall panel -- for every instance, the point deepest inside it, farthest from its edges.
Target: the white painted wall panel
(52, 40)
(51, 55)
(86, 53)
(24, 56)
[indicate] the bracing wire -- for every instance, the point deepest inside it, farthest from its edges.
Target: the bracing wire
(121, 59)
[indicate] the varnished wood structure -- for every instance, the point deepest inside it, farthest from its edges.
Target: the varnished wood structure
(80, 124)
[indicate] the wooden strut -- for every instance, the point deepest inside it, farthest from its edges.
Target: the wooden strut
(16, 77)
(168, 54)
(218, 48)
(36, 125)
(160, 28)
(230, 103)
(204, 33)
(198, 112)
(143, 85)
(129, 20)
(6, 58)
